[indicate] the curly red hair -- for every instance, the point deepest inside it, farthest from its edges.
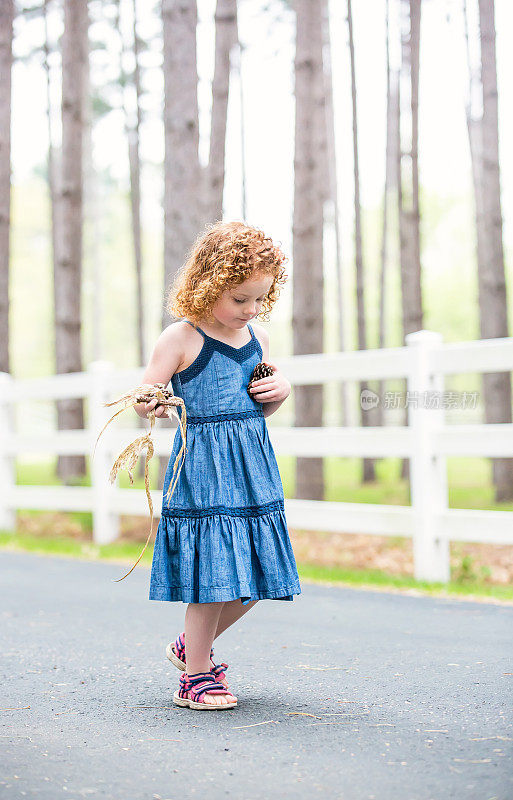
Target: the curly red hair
(224, 255)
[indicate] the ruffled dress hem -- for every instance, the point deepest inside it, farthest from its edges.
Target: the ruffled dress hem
(187, 594)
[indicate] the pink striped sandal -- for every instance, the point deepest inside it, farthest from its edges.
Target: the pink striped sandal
(175, 651)
(193, 689)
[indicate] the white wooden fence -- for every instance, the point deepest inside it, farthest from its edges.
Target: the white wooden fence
(427, 441)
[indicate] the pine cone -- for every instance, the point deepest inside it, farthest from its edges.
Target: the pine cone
(262, 370)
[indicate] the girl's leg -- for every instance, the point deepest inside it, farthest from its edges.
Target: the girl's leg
(201, 621)
(232, 611)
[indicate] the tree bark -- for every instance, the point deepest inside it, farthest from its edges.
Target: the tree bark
(366, 417)
(131, 83)
(226, 40)
(408, 175)
(308, 278)
(183, 214)
(68, 267)
(492, 281)
(332, 183)
(54, 156)
(6, 33)
(390, 160)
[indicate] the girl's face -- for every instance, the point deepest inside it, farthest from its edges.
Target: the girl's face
(238, 305)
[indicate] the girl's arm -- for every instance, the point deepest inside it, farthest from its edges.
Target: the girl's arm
(164, 361)
(271, 391)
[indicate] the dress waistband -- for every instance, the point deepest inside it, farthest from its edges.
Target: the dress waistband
(230, 511)
(254, 412)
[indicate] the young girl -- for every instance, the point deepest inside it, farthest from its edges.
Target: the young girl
(222, 543)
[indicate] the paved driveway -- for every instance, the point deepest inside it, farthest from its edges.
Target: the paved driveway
(400, 697)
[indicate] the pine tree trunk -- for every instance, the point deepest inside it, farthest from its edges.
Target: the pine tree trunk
(134, 158)
(390, 161)
(243, 188)
(408, 179)
(183, 214)
(308, 278)
(366, 418)
(92, 216)
(70, 413)
(492, 281)
(226, 41)
(6, 29)
(475, 135)
(331, 182)
(54, 156)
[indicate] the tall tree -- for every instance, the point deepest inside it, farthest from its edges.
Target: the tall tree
(183, 212)
(225, 43)
(366, 418)
(68, 267)
(307, 248)
(6, 28)
(484, 149)
(392, 79)
(238, 59)
(493, 301)
(408, 174)
(130, 79)
(332, 183)
(53, 163)
(475, 135)
(92, 207)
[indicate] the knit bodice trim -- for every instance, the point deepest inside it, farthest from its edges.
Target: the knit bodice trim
(211, 346)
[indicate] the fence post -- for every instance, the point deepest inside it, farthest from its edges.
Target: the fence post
(7, 459)
(105, 520)
(428, 471)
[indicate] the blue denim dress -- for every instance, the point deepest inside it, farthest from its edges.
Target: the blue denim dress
(224, 534)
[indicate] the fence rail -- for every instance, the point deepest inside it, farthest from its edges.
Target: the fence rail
(426, 441)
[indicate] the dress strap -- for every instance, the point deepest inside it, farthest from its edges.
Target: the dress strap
(198, 328)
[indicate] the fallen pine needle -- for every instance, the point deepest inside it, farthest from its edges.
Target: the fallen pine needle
(307, 666)
(435, 730)
(303, 714)
(484, 738)
(256, 723)
(474, 760)
(155, 739)
(336, 714)
(17, 708)
(380, 724)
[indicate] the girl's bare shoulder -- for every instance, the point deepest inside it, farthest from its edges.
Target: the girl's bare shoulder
(263, 337)
(171, 352)
(190, 342)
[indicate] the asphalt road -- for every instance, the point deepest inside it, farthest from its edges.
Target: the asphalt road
(401, 697)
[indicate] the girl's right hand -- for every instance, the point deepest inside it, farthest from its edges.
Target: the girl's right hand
(153, 404)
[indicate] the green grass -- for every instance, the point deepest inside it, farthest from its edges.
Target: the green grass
(62, 546)
(469, 481)
(377, 578)
(128, 552)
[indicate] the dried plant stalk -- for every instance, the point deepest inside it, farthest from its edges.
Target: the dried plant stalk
(128, 458)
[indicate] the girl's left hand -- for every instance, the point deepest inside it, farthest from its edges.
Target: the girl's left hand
(273, 389)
